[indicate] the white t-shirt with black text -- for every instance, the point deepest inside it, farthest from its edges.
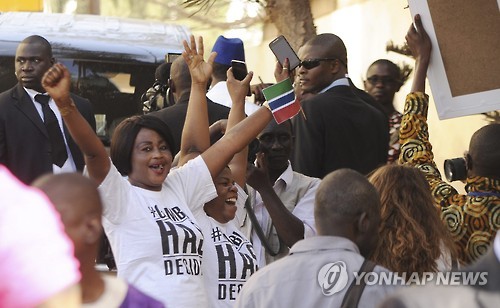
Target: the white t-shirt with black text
(228, 257)
(155, 239)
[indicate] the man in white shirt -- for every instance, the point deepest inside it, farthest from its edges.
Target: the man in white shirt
(319, 272)
(227, 49)
(282, 199)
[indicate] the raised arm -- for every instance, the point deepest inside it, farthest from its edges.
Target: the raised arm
(290, 228)
(218, 155)
(195, 135)
(56, 82)
(238, 90)
(420, 45)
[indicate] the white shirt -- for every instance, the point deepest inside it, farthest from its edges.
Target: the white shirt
(69, 164)
(228, 257)
(295, 280)
(220, 95)
(338, 82)
(155, 238)
(304, 210)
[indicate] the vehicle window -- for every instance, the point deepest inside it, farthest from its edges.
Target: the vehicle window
(113, 89)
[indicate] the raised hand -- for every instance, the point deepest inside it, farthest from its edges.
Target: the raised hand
(200, 70)
(57, 81)
(256, 90)
(238, 89)
(258, 176)
(418, 41)
(420, 45)
(282, 72)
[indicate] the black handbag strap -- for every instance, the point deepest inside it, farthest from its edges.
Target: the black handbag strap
(354, 292)
(258, 230)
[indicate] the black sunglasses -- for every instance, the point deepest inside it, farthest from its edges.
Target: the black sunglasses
(312, 63)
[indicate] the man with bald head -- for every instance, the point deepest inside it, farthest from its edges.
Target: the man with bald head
(77, 200)
(33, 137)
(339, 129)
(180, 86)
(319, 270)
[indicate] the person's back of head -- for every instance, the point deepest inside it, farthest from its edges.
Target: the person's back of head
(483, 158)
(162, 72)
(77, 200)
(414, 236)
(180, 78)
(227, 49)
(347, 205)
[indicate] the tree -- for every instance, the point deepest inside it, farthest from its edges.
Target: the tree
(292, 18)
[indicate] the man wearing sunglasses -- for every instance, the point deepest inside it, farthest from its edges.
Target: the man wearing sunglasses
(339, 129)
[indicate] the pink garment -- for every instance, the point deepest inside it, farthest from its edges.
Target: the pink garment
(36, 256)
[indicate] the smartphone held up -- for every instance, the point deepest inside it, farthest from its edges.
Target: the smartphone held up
(282, 50)
(240, 71)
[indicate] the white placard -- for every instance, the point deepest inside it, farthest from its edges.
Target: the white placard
(464, 100)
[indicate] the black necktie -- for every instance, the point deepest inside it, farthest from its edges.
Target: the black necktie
(59, 154)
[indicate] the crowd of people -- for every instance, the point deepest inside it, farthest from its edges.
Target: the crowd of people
(208, 202)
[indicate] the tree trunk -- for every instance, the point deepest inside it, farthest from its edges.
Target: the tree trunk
(293, 19)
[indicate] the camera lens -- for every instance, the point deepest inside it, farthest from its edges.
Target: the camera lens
(455, 169)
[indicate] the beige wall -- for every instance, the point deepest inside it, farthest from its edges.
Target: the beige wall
(366, 27)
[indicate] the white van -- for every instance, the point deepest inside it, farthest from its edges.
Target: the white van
(112, 60)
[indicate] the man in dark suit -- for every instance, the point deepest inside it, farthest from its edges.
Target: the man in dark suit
(339, 129)
(25, 146)
(180, 86)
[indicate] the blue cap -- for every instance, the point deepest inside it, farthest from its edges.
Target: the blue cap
(228, 49)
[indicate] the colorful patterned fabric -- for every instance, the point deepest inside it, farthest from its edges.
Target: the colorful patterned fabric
(394, 125)
(472, 220)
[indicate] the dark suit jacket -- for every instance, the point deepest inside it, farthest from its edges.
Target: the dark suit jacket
(175, 116)
(24, 144)
(340, 131)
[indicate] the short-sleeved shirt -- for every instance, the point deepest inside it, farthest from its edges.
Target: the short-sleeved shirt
(155, 238)
(228, 257)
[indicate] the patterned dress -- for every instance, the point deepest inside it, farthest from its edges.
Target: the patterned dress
(472, 219)
(394, 125)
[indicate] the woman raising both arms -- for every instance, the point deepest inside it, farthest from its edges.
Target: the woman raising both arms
(155, 238)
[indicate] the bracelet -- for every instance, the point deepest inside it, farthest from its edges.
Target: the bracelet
(266, 104)
(66, 110)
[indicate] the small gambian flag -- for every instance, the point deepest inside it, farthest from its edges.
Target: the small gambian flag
(282, 101)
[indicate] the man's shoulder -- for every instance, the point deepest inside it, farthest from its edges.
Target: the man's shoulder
(170, 112)
(8, 95)
(335, 94)
(305, 179)
(213, 106)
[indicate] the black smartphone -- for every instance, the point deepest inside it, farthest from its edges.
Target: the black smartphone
(170, 57)
(239, 69)
(282, 50)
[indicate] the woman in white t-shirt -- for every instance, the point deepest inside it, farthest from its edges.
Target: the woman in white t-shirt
(155, 238)
(228, 256)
